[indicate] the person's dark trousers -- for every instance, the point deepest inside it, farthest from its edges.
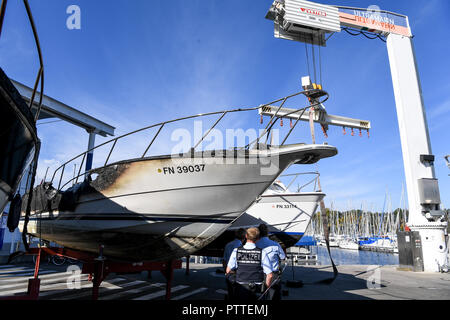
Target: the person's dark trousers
(274, 292)
(230, 279)
(244, 292)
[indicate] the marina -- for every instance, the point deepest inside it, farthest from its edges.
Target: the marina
(353, 257)
(362, 230)
(178, 197)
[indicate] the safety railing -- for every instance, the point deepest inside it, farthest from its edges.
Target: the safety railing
(2, 14)
(40, 75)
(295, 176)
(113, 142)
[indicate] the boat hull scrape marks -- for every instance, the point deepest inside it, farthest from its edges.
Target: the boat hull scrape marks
(160, 208)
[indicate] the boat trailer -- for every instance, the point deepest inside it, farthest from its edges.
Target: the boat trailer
(98, 268)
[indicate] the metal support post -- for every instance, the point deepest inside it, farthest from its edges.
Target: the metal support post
(90, 155)
(168, 273)
(187, 264)
(425, 215)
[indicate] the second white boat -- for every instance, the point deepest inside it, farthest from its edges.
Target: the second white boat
(287, 215)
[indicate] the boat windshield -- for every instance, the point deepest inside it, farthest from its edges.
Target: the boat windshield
(278, 187)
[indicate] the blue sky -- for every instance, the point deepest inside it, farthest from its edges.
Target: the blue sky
(134, 63)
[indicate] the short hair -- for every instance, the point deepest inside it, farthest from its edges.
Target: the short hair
(263, 230)
(252, 234)
(240, 233)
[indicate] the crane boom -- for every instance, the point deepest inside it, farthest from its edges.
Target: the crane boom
(309, 22)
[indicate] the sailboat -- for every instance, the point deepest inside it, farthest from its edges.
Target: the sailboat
(333, 240)
(349, 244)
(348, 241)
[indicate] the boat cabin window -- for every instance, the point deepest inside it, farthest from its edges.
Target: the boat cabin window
(276, 187)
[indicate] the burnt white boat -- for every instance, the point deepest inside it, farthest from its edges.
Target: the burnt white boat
(287, 214)
(161, 207)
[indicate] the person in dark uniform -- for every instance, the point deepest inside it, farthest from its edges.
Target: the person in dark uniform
(239, 240)
(250, 264)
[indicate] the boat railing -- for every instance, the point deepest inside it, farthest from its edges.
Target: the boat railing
(40, 74)
(39, 80)
(2, 14)
(266, 132)
(294, 177)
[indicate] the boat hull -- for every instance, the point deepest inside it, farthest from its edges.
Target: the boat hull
(288, 213)
(287, 217)
(154, 209)
(348, 245)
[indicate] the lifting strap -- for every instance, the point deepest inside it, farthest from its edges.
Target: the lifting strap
(326, 228)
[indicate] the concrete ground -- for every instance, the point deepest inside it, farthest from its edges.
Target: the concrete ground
(359, 282)
(354, 282)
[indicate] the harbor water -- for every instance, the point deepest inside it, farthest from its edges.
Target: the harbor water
(353, 257)
(340, 257)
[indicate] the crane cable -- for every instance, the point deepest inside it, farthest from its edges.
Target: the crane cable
(307, 59)
(315, 64)
(320, 66)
